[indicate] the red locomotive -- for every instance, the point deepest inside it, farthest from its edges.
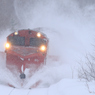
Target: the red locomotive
(26, 49)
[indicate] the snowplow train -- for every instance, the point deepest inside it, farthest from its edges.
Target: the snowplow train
(25, 50)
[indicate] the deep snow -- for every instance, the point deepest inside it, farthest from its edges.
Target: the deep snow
(63, 87)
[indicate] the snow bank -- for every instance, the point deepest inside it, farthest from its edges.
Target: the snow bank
(63, 87)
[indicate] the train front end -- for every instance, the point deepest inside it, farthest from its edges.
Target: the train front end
(25, 50)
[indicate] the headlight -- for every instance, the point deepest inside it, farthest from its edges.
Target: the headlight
(38, 34)
(16, 33)
(43, 48)
(7, 45)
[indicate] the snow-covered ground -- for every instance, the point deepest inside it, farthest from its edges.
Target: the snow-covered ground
(71, 31)
(63, 87)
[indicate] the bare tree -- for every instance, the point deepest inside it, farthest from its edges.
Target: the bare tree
(87, 71)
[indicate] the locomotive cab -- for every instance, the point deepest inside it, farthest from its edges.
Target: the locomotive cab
(25, 49)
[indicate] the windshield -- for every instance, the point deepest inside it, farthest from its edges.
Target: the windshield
(37, 42)
(17, 40)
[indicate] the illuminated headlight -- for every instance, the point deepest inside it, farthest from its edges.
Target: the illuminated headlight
(16, 33)
(38, 34)
(7, 45)
(43, 48)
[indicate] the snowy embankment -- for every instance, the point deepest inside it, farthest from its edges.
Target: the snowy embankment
(63, 87)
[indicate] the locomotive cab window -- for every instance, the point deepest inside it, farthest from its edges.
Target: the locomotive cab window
(36, 42)
(17, 40)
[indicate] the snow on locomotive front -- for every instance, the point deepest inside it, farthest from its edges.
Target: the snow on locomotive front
(25, 49)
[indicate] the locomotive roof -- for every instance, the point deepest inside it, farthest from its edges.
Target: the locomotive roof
(25, 31)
